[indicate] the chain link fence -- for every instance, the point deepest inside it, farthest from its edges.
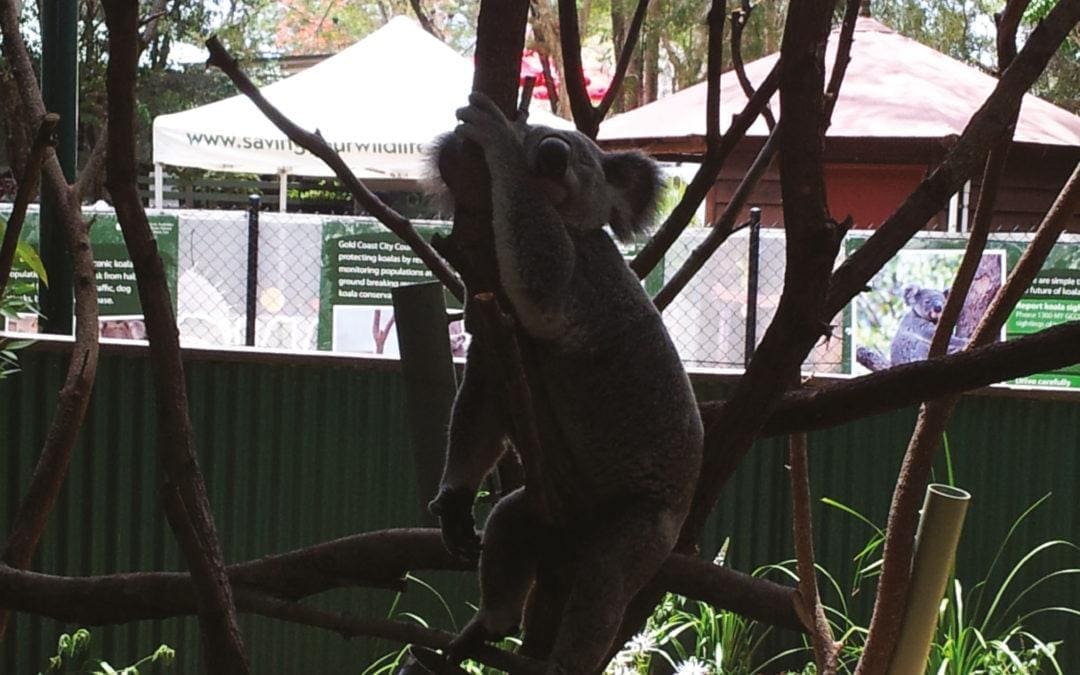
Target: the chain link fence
(306, 282)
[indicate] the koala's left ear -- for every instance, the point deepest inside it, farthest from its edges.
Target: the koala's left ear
(634, 184)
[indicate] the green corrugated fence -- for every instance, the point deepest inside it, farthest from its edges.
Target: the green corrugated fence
(298, 450)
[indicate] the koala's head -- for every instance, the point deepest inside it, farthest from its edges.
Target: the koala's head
(926, 302)
(590, 188)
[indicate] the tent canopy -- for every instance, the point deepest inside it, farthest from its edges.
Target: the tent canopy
(377, 103)
(894, 88)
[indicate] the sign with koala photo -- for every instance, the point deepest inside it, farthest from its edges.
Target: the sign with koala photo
(894, 321)
(119, 308)
(361, 262)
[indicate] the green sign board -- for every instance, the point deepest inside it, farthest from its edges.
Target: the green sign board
(361, 263)
(928, 264)
(118, 296)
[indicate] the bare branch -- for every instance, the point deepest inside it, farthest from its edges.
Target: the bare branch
(826, 649)
(723, 228)
(369, 559)
(95, 164)
(186, 503)
(316, 145)
(891, 604)
(813, 240)
(74, 398)
(704, 179)
(425, 20)
(572, 70)
(27, 189)
(986, 125)
(633, 34)
(830, 405)
(843, 58)
(739, 18)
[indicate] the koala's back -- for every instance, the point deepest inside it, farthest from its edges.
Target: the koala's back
(627, 418)
(912, 339)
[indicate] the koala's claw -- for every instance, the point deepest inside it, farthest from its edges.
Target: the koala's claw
(454, 509)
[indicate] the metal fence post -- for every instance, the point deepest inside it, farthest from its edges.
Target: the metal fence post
(754, 251)
(254, 202)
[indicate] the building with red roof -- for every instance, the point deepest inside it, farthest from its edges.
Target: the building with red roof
(900, 107)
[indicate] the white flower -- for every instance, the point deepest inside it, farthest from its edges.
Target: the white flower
(693, 667)
(640, 644)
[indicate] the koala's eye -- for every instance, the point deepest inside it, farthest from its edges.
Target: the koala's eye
(552, 157)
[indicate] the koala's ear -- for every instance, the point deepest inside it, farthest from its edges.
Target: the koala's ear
(443, 161)
(634, 184)
(910, 292)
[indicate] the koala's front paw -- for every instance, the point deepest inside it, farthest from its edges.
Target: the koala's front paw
(454, 509)
(483, 123)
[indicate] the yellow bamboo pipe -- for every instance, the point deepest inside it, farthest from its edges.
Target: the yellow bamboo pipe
(935, 550)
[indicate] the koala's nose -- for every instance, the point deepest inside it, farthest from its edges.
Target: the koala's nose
(552, 157)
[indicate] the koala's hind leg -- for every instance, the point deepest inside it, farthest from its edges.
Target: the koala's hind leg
(507, 571)
(476, 441)
(617, 559)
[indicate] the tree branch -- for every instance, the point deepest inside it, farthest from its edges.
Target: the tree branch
(723, 228)
(831, 405)
(425, 20)
(739, 17)
(826, 649)
(27, 189)
(316, 145)
(74, 398)
(960, 163)
(633, 34)
(813, 240)
(704, 179)
(186, 503)
(369, 559)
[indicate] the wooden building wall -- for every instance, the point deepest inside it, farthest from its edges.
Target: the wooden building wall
(871, 181)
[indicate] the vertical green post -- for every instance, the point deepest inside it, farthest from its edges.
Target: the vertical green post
(428, 369)
(59, 87)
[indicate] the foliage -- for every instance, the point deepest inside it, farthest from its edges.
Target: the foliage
(984, 631)
(73, 656)
(18, 302)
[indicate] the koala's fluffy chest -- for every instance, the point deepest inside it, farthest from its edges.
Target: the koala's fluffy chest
(600, 379)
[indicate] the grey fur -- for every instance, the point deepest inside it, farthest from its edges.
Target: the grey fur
(623, 449)
(916, 330)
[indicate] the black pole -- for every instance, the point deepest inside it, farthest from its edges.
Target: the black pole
(254, 202)
(59, 87)
(754, 251)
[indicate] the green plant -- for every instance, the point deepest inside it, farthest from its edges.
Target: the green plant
(73, 656)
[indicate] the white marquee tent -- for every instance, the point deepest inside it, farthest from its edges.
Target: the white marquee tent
(377, 103)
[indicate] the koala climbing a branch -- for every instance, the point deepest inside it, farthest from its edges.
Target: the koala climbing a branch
(916, 330)
(621, 444)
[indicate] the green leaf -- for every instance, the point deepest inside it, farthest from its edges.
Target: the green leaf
(26, 253)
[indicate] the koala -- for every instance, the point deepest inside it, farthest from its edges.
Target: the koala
(916, 330)
(623, 441)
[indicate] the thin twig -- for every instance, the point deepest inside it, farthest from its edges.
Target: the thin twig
(826, 649)
(316, 145)
(27, 189)
(723, 228)
(843, 58)
(622, 66)
(704, 180)
(739, 17)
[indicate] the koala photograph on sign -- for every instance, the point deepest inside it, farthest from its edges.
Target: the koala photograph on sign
(894, 322)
